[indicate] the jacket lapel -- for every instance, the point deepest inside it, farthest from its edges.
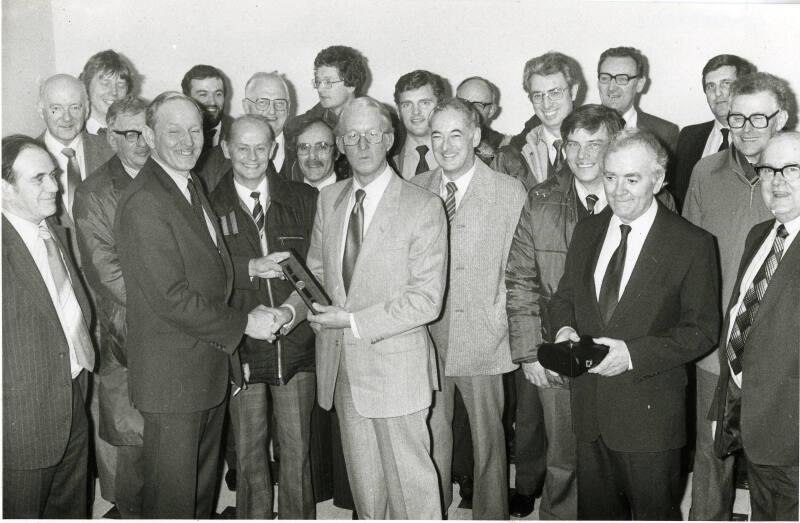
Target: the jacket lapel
(593, 253)
(335, 231)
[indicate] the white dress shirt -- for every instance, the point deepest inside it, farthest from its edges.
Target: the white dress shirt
(217, 131)
(550, 139)
(244, 195)
(55, 147)
(411, 156)
(631, 118)
(29, 232)
(583, 192)
(462, 184)
(280, 152)
(792, 227)
(714, 139)
(182, 181)
(93, 126)
(328, 180)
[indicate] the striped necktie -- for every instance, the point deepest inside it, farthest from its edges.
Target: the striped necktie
(258, 212)
(450, 200)
(591, 201)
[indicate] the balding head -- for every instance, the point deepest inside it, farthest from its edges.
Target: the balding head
(249, 147)
(482, 93)
(64, 106)
(781, 192)
(267, 94)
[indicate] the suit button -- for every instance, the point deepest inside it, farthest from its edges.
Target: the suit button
(459, 310)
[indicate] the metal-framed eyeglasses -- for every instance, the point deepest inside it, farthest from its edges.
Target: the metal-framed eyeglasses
(619, 79)
(320, 148)
(262, 104)
(757, 120)
(373, 136)
(790, 173)
(553, 95)
(131, 135)
(324, 84)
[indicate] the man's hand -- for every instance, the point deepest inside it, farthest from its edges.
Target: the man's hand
(260, 324)
(535, 374)
(567, 333)
(282, 316)
(329, 317)
(267, 266)
(616, 362)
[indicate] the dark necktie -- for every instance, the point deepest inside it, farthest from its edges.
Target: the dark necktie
(591, 200)
(69, 309)
(103, 131)
(197, 204)
(752, 299)
(352, 244)
(555, 166)
(73, 175)
(724, 144)
(609, 290)
(450, 200)
(258, 212)
(422, 165)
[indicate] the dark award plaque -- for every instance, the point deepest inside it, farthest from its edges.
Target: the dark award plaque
(570, 358)
(303, 281)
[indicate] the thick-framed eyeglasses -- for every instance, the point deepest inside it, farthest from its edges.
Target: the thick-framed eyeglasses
(724, 85)
(373, 136)
(320, 148)
(553, 95)
(619, 79)
(758, 120)
(790, 173)
(262, 104)
(478, 105)
(130, 135)
(324, 84)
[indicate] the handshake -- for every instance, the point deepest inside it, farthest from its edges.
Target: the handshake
(264, 323)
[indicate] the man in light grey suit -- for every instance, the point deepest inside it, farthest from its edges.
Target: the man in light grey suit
(471, 337)
(379, 247)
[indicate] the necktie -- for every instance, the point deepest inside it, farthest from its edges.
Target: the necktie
(555, 165)
(752, 300)
(197, 204)
(591, 200)
(73, 175)
(258, 212)
(69, 310)
(450, 201)
(103, 131)
(422, 165)
(352, 245)
(609, 290)
(724, 144)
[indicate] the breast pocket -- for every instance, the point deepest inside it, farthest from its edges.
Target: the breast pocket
(288, 238)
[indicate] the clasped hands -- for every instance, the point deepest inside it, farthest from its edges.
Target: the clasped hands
(264, 323)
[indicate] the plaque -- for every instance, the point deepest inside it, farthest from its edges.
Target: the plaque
(303, 281)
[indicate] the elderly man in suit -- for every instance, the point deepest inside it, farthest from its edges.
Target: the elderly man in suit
(181, 331)
(722, 199)
(46, 346)
(756, 403)
(704, 139)
(95, 207)
(471, 336)
(379, 247)
(655, 308)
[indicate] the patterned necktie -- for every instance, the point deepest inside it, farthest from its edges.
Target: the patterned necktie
(724, 144)
(197, 204)
(591, 200)
(609, 290)
(422, 165)
(73, 175)
(103, 131)
(752, 300)
(69, 310)
(258, 212)
(352, 244)
(555, 166)
(450, 200)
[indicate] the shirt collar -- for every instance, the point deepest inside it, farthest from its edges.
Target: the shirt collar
(328, 180)
(548, 137)
(631, 118)
(376, 187)
(462, 183)
(641, 224)
(244, 193)
(93, 126)
(55, 147)
(28, 231)
(718, 127)
(583, 192)
(792, 226)
(280, 151)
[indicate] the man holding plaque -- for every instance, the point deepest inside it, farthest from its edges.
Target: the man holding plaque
(626, 285)
(379, 248)
(260, 214)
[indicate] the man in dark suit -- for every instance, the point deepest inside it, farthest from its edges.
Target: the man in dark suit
(756, 404)
(654, 306)
(181, 332)
(262, 213)
(119, 424)
(621, 77)
(704, 139)
(46, 346)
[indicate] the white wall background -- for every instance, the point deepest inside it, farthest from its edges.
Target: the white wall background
(454, 38)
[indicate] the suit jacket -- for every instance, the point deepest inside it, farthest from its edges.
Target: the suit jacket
(37, 383)
(471, 337)
(770, 363)
(666, 131)
(667, 316)
(526, 157)
(397, 288)
(691, 143)
(180, 328)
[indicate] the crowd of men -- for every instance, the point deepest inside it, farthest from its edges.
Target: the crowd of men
(148, 328)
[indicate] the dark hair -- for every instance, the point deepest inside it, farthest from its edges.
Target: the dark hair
(107, 62)
(549, 63)
(758, 82)
(152, 109)
(12, 147)
(626, 52)
(591, 118)
(129, 106)
(350, 63)
(467, 109)
(201, 72)
(303, 123)
(417, 79)
(743, 67)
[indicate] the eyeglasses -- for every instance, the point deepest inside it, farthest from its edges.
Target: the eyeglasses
(58, 111)
(478, 105)
(262, 104)
(553, 95)
(724, 85)
(324, 84)
(619, 79)
(131, 136)
(758, 120)
(791, 172)
(320, 148)
(373, 136)
(592, 147)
